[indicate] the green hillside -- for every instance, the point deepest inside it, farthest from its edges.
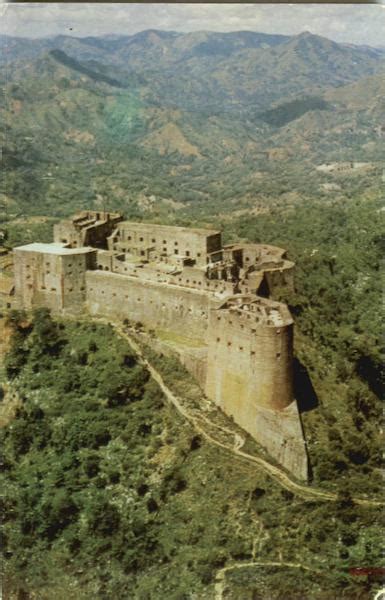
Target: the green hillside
(112, 494)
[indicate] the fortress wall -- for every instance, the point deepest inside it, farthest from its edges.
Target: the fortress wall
(194, 359)
(105, 260)
(65, 233)
(38, 279)
(249, 365)
(165, 240)
(137, 271)
(250, 254)
(196, 278)
(192, 276)
(51, 279)
(156, 305)
(73, 282)
(280, 278)
(280, 432)
(22, 291)
(249, 376)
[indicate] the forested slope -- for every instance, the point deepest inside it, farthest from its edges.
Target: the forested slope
(108, 493)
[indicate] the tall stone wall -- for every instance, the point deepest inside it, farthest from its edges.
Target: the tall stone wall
(249, 376)
(277, 279)
(74, 269)
(280, 432)
(156, 305)
(249, 363)
(64, 232)
(165, 241)
(54, 278)
(39, 279)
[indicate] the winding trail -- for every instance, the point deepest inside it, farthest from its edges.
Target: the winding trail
(306, 492)
(221, 574)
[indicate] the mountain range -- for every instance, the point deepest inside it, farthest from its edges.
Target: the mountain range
(214, 117)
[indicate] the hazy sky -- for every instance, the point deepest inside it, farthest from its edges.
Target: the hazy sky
(354, 23)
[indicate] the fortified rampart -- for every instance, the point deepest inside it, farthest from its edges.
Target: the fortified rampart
(181, 282)
(250, 335)
(156, 305)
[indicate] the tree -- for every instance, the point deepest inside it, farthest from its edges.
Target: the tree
(46, 335)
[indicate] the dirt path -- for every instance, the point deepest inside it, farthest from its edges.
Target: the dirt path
(306, 492)
(221, 574)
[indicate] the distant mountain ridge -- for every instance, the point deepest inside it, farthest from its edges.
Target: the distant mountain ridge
(118, 47)
(184, 116)
(18, 47)
(240, 71)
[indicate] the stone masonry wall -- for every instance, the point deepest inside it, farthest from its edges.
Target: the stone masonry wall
(249, 376)
(165, 240)
(249, 364)
(54, 280)
(156, 305)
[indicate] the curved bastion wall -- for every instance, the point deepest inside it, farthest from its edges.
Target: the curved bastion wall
(249, 375)
(250, 357)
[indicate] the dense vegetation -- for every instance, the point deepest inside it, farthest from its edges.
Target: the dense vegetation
(284, 113)
(108, 494)
(63, 58)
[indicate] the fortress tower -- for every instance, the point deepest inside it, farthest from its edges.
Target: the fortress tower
(215, 303)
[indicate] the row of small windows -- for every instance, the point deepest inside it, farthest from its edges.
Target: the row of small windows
(190, 310)
(153, 240)
(252, 352)
(180, 279)
(70, 289)
(249, 316)
(142, 253)
(240, 348)
(48, 272)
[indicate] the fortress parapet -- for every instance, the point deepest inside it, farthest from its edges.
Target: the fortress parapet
(182, 282)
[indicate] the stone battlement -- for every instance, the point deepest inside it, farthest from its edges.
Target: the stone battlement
(252, 311)
(182, 280)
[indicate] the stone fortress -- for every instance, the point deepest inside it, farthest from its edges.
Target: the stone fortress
(214, 301)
